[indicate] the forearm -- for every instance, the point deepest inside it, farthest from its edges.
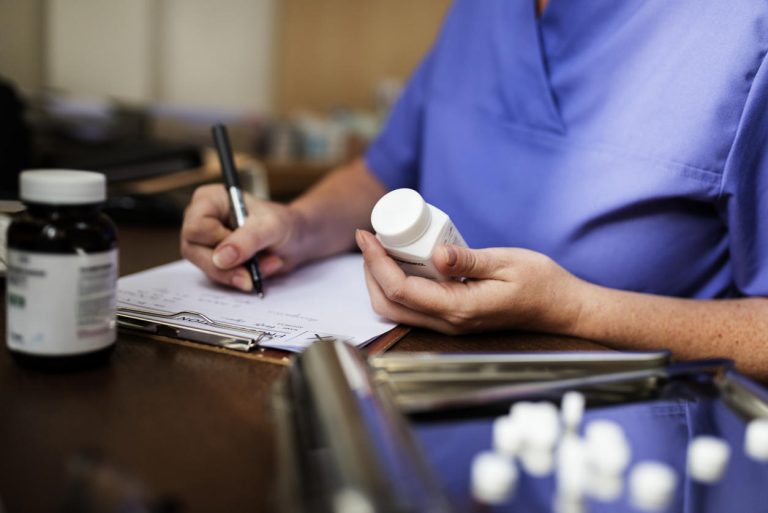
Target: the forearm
(734, 328)
(332, 209)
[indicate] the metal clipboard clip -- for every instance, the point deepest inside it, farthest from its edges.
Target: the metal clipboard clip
(162, 323)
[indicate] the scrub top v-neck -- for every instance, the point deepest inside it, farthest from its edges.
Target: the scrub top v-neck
(625, 140)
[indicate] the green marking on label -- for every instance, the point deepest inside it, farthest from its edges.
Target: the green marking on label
(16, 300)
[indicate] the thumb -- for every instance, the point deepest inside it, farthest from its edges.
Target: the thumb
(457, 261)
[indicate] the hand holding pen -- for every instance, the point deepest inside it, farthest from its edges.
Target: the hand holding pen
(235, 195)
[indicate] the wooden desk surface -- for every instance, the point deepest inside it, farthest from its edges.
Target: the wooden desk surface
(190, 424)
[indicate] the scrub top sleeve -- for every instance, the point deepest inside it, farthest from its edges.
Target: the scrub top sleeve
(745, 193)
(394, 155)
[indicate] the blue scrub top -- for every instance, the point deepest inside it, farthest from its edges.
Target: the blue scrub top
(625, 139)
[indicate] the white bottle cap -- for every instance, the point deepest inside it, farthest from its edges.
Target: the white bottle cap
(652, 486)
(537, 462)
(400, 217)
(571, 469)
(707, 458)
(506, 436)
(605, 487)
(608, 450)
(756, 440)
(521, 410)
(542, 427)
(566, 504)
(572, 410)
(62, 187)
(493, 478)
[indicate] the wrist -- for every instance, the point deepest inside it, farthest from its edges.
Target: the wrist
(301, 233)
(574, 306)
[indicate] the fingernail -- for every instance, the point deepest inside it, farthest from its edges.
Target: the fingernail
(360, 239)
(450, 256)
(224, 257)
(242, 281)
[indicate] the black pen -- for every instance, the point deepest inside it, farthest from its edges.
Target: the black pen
(235, 194)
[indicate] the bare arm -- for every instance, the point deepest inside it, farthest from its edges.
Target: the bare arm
(736, 328)
(518, 288)
(336, 206)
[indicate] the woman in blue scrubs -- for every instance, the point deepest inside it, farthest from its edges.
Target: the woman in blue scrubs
(609, 158)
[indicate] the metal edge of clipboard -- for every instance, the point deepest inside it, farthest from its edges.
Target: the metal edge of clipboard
(135, 320)
(738, 392)
(742, 395)
(429, 381)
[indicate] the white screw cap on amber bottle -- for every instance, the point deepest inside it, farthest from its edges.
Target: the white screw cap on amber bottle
(62, 187)
(62, 271)
(410, 229)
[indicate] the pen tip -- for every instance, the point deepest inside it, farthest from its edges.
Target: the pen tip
(260, 294)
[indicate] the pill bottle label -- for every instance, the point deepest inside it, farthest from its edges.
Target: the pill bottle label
(426, 268)
(60, 304)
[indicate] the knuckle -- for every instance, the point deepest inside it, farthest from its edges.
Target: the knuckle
(460, 319)
(470, 261)
(379, 306)
(205, 191)
(395, 293)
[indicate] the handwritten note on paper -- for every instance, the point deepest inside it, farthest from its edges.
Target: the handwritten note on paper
(327, 298)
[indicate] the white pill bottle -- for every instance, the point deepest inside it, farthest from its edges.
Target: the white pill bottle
(410, 229)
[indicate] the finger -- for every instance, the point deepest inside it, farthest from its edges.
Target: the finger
(413, 292)
(270, 264)
(259, 232)
(457, 261)
(207, 231)
(398, 313)
(209, 201)
(202, 257)
(206, 216)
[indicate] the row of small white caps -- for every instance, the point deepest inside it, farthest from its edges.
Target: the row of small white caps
(530, 432)
(494, 474)
(652, 484)
(62, 187)
(400, 217)
(708, 456)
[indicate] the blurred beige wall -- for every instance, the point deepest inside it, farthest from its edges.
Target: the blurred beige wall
(334, 52)
(193, 53)
(238, 55)
(21, 42)
(217, 53)
(100, 48)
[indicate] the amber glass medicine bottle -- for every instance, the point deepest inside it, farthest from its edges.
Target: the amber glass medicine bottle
(62, 272)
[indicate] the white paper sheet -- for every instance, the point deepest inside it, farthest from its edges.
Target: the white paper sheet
(327, 298)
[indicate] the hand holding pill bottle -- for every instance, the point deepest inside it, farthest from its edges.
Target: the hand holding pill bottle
(410, 229)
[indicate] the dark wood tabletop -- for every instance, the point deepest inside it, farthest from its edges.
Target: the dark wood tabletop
(189, 425)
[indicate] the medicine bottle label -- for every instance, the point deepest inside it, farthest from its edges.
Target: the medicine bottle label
(425, 267)
(60, 304)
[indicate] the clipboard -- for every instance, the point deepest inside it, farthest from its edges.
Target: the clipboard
(205, 336)
(177, 303)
